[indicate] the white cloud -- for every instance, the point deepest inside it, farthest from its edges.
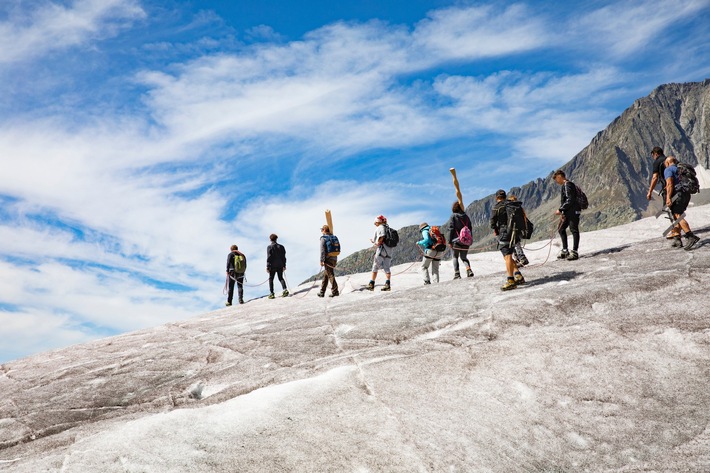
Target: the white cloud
(51, 26)
(480, 32)
(624, 28)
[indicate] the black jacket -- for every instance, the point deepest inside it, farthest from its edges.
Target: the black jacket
(275, 256)
(499, 220)
(568, 198)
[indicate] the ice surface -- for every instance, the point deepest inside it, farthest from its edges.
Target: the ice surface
(601, 364)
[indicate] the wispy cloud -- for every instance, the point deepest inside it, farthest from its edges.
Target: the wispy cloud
(625, 28)
(32, 29)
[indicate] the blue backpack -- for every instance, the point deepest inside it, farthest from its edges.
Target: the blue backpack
(332, 245)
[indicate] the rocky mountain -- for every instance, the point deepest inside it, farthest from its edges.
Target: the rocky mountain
(614, 170)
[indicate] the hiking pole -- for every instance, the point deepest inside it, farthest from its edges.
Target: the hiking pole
(456, 185)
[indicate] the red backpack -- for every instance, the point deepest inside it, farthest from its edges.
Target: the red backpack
(439, 242)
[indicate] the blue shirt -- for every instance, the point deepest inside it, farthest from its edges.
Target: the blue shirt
(671, 171)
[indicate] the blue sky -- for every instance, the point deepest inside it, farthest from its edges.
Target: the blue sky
(140, 139)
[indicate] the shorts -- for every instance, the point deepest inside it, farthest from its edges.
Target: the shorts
(681, 203)
(505, 246)
(382, 262)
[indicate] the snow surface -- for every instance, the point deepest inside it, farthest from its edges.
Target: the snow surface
(602, 364)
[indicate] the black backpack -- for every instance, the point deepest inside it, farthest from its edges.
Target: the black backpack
(518, 221)
(687, 179)
(391, 236)
(582, 200)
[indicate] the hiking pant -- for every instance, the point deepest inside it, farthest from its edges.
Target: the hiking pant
(329, 268)
(431, 257)
(570, 220)
(460, 252)
(239, 279)
(280, 273)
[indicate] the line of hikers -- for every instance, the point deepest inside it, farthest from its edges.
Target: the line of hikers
(508, 221)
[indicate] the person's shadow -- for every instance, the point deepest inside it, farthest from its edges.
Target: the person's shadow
(558, 277)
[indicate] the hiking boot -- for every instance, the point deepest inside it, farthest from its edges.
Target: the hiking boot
(334, 294)
(285, 293)
(321, 294)
(386, 287)
(429, 282)
(241, 301)
(457, 275)
(677, 242)
(272, 296)
(523, 260)
(228, 304)
(692, 240)
(370, 286)
(572, 256)
(469, 273)
(519, 279)
(509, 284)
(563, 254)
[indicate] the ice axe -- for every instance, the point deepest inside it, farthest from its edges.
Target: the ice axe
(458, 190)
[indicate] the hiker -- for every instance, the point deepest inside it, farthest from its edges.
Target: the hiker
(236, 266)
(276, 265)
(519, 255)
(329, 251)
(434, 246)
(459, 239)
(658, 177)
(657, 169)
(569, 212)
(678, 206)
(383, 254)
(506, 242)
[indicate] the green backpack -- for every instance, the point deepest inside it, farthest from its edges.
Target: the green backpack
(240, 263)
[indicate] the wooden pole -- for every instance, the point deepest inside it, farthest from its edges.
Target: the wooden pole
(329, 220)
(458, 190)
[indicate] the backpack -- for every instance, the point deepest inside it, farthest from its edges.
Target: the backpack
(465, 236)
(332, 245)
(687, 179)
(582, 200)
(240, 263)
(391, 236)
(517, 220)
(439, 242)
